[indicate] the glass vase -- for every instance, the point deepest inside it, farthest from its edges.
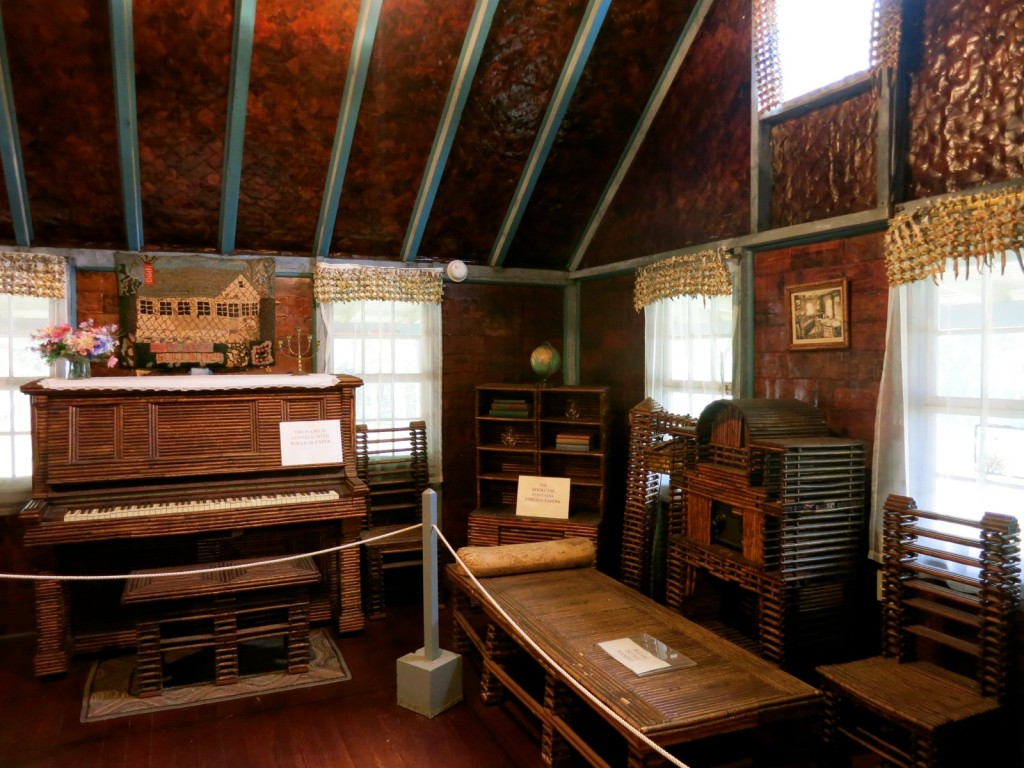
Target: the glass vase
(78, 368)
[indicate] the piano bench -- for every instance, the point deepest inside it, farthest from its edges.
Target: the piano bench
(222, 610)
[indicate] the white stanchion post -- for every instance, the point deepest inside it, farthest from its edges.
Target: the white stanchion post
(430, 680)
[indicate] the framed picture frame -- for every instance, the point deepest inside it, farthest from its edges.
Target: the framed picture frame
(819, 315)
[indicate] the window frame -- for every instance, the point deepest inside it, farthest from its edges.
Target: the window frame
(659, 384)
(428, 377)
(17, 489)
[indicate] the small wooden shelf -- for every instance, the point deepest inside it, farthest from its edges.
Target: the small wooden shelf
(508, 447)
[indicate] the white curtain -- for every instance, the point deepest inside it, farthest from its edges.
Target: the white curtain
(950, 419)
(395, 347)
(688, 352)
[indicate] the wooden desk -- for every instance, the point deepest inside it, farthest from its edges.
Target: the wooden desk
(566, 613)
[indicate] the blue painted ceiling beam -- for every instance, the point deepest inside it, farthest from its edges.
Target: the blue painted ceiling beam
(123, 55)
(458, 93)
(593, 17)
(661, 88)
(10, 150)
(234, 135)
(351, 98)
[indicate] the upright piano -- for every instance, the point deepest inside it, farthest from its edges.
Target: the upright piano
(166, 471)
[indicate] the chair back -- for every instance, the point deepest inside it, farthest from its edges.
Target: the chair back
(950, 591)
(392, 461)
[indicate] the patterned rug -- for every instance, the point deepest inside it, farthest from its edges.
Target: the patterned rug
(108, 691)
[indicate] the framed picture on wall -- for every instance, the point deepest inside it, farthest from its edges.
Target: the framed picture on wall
(818, 315)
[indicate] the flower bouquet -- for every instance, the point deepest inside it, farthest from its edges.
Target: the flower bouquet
(79, 346)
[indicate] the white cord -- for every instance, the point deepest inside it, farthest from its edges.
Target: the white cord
(563, 673)
(217, 569)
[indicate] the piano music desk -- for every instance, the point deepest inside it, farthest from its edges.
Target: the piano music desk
(220, 610)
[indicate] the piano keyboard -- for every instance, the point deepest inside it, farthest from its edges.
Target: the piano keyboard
(204, 505)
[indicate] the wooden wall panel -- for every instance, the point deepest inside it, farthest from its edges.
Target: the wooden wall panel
(967, 96)
(182, 62)
(842, 382)
(824, 162)
(62, 81)
(690, 182)
(612, 353)
(489, 332)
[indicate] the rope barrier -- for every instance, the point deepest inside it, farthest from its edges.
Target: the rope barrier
(580, 689)
(215, 569)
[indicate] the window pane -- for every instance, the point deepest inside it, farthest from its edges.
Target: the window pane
(407, 356)
(821, 42)
(23, 455)
(958, 369)
(6, 419)
(22, 412)
(1005, 377)
(407, 402)
(7, 457)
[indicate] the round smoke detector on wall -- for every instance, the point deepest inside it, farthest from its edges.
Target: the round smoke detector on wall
(457, 271)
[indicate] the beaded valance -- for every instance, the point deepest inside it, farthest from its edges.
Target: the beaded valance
(886, 28)
(984, 227)
(336, 282)
(33, 274)
(698, 274)
(766, 57)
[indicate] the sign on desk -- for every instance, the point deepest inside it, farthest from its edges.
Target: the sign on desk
(311, 442)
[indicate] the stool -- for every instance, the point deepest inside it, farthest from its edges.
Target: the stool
(220, 610)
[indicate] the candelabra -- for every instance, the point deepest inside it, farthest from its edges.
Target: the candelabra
(294, 350)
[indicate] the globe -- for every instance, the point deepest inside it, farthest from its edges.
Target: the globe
(545, 361)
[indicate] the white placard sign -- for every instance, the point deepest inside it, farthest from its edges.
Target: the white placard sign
(543, 497)
(633, 655)
(311, 442)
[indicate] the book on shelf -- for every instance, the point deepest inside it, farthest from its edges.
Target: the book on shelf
(509, 407)
(573, 441)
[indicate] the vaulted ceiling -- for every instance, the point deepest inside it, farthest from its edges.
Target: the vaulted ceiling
(534, 134)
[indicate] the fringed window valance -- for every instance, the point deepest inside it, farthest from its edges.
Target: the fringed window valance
(885, 44)
(41, 275)
(983, 227)
(353, 283)
(698, 274)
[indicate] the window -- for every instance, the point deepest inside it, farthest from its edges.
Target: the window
(821, 43)
(689, 352)
(166, 307)
(203, 308)
(395, 348)
(965, 383)
(802, 46)
(184, 308)
(146, 307)
(19, 317)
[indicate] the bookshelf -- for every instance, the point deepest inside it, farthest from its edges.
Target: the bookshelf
(525, 429)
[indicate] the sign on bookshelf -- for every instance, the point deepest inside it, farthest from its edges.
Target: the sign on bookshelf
(543, 497)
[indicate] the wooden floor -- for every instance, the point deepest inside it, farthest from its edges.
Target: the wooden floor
(352, 724)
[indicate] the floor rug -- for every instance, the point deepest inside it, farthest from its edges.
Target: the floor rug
(108, 691)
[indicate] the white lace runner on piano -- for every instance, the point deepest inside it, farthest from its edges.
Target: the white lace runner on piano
(199, 505)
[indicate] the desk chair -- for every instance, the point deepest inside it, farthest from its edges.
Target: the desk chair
(939, 692)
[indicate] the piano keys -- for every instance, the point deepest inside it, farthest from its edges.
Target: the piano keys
(144, 472)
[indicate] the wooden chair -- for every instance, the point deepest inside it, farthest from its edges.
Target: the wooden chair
(941, 688)
(392, 461)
